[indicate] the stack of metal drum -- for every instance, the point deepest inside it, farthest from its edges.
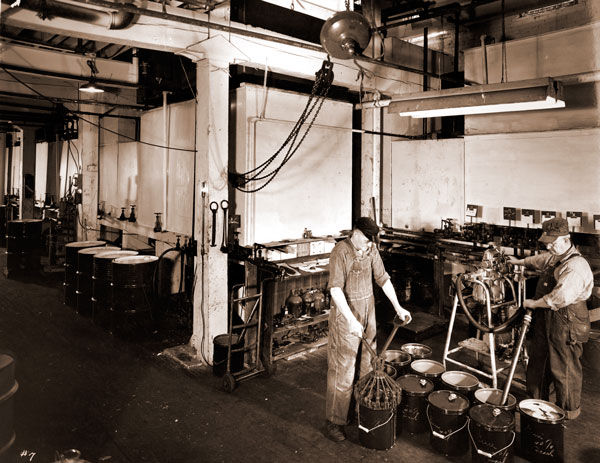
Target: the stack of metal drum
(459, 414)
(106, 282)
(23, 247)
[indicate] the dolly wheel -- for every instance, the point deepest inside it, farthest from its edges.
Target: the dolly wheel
(269, 369)
(228, 382)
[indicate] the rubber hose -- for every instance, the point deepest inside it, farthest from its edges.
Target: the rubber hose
(475, 323)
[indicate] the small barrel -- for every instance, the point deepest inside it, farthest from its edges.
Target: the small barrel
(489, 395)
(23, 246)
(429, 369)
(71, 263)
(221, 350)
(461, 381)
(412, 410)
(399, 360)
(85, 269)
(132, 286)
(8, 389)
(492, 432)
(102, 277)
(417, 351)
(542, 433)
(591, 351)
(447, 415)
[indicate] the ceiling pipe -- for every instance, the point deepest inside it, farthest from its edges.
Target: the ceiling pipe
(50, 9)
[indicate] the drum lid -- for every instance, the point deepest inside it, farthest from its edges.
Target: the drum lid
(429, 367)
(110, 255)
(396, 356)
(135, 260)
(460, 380)
(488, 395)
(417, 350)
(492, 418)
(84, 244)
(542, 411)
(98, 250)
(449, 402)
(415, 385)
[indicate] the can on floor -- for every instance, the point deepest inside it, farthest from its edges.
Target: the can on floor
(492, 432)
(376, 428)
(447, 415)
(460, 381)
(221, 350)
(429, 369)
(416, 350)
(412, 410)
(489, 395)
(399, 360)
(542, 432)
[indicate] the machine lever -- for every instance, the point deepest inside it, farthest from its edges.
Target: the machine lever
(214, 206)
(224, 242)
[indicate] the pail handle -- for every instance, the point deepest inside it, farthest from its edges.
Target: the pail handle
(486, 454)
(362, 428)
(440, 435)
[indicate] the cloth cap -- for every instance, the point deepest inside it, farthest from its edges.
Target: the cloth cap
(554, 228)
(368, 227)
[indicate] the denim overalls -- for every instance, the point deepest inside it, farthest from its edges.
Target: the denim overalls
(342, 347)
(556, 346)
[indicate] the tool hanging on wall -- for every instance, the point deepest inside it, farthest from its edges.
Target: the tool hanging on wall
(224, 242)
(214, 207)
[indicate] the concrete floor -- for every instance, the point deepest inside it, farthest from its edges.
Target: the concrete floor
(121, 401)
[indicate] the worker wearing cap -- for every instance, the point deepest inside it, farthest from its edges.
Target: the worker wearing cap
(561, 319)
(353, 265)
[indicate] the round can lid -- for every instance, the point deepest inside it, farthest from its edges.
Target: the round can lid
(450, 402)
(85, 244)
(492, 418)
(415, 385)
(98, 249)
(542, 411)
(429, 367)
(489, 395)
(110, 255)
(135, 259)
(396, 356)
(460, 379)
(417, 350)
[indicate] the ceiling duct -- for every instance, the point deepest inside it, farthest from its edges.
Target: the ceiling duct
(50, 9)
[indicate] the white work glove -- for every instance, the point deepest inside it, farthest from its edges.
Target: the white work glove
(405, 316)
(355, 327)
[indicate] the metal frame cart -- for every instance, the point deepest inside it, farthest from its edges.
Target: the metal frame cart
(256, 366)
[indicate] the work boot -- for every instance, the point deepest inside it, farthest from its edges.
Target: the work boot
(335, 432)
(572, 414)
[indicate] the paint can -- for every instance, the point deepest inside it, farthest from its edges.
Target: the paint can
(429, 369)
(542, 431)
(489, 395)
(492, 433)
(412, 410)
(399, 360)
(447, 416)
(376, 428)
(221, 348)
(460, 381)
(8, 389)
(417, 351)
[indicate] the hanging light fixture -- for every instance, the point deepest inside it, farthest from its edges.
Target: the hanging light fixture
(91, 86)
(345, 34)
(524, 95)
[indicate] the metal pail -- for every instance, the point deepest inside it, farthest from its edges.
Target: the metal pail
(416, 350)
(447, 415)
(399, 360)
(542, 432)
(429, 369)
(492, 432)
(412, 410)
(376, 428)
(460, 381)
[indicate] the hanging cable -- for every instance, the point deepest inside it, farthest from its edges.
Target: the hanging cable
(504, 67)
(323, 81)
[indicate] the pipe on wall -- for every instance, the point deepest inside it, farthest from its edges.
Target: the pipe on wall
(49, 9)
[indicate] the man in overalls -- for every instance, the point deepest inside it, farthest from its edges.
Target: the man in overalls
(561, 318)
(353, 264)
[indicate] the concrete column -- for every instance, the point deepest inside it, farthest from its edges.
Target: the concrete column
(370, 185)
(27, 199)
(210, 294)
(3, 168)
(88, 134)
